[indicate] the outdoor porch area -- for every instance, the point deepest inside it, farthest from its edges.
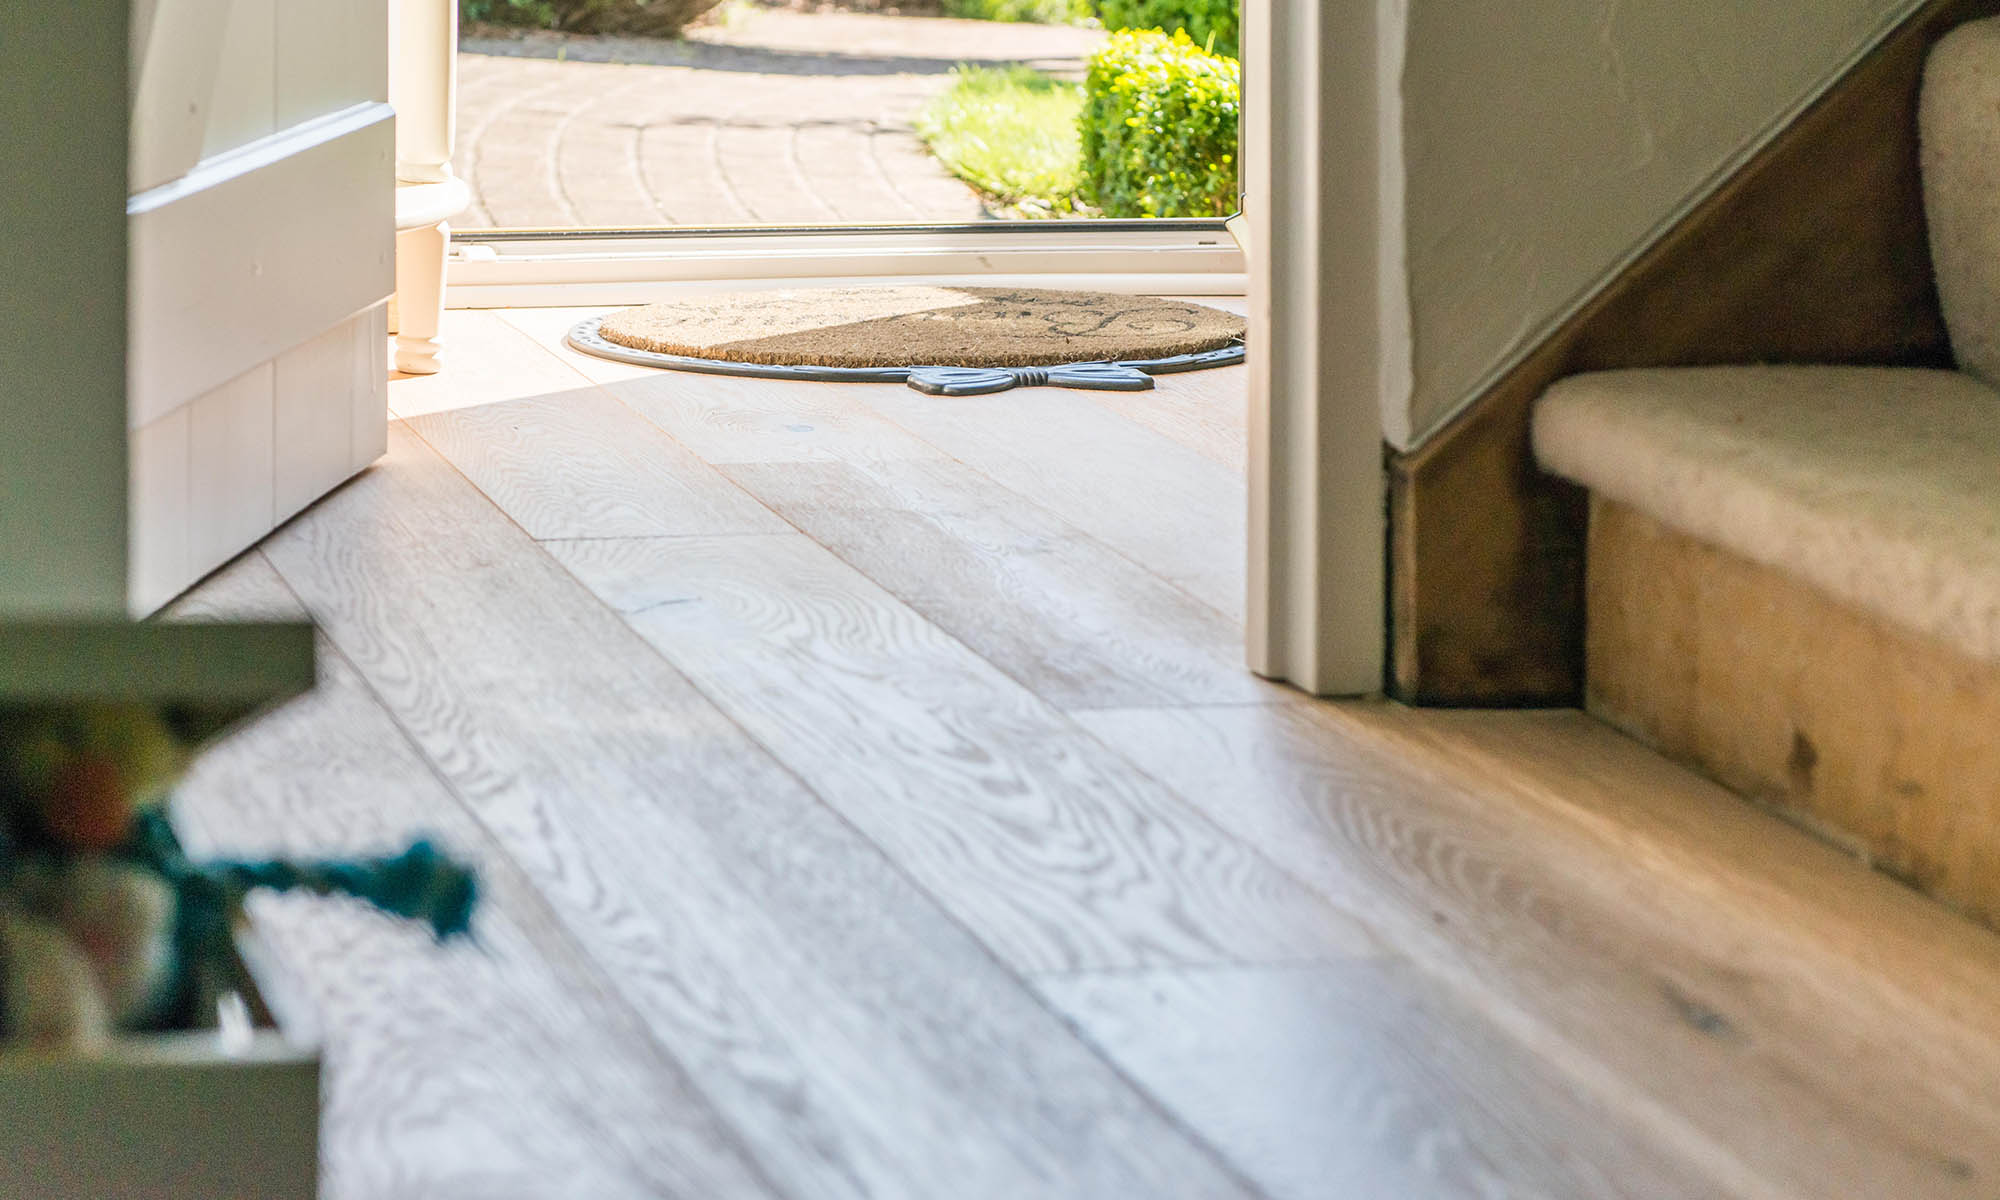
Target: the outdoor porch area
(761, 116)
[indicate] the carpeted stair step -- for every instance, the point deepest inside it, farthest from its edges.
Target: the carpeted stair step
(1793, 581)
(1793, 573)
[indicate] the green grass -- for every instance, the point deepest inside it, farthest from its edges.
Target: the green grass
(1011, 132)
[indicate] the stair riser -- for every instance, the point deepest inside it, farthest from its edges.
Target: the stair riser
(1885, 742)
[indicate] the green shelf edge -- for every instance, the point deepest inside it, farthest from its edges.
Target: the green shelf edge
(245, 666)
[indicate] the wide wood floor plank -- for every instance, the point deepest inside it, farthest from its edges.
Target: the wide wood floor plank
(580, 464)
(1771, 1050)
(1172, 510)
(724, 420)
(858, 1039)
(1206, 411)
(549, 327)
(728, 420)
(1077, 623)
(485, 360)
(1053, 850)
(501, 1069)
(1362, 1079)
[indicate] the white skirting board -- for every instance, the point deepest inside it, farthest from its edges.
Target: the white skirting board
(215, 474)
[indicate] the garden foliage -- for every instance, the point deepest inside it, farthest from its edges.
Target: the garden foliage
(644, 18)
(1039, 12)
(1159, 127)
(1203, 20)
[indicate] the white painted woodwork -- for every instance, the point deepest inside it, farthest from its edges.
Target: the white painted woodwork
(368, 397)
(216, 474)
(255, 252)
(319, 442)
(230, 459)
(243, 98)
(423, 87)
(420, 255)
(329, 56)
(159, 520)
(1323, 336)
(260, 224)
(173, 83)
(141, 13)
(1170, 261)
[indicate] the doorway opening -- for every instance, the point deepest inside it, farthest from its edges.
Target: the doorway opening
(635, 114)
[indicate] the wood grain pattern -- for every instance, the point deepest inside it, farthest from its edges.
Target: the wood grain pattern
(1173, 499)
(1785, 1021)
(1171, 510)
(860, 1042)
(1206, 411)
(550, 326)
(1544, 961)
(562, 456)
(498, 1069)
(1076, 623)
(768, 420)
(1814, 252)
(1052, 850)
(1879, 737)
(490, 361)
(580, 464)
(1363, 1079)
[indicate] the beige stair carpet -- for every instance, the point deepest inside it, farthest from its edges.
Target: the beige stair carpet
(1960, 121)
(1880, 486)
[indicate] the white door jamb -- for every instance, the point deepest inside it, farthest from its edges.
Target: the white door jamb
(1329, 321)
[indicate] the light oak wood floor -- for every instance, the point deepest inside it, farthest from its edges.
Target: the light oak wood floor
(871, 804)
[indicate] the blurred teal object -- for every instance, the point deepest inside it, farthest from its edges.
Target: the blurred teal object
(420, 884)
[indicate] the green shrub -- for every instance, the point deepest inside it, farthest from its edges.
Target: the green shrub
(644, 18)
(1037, 12)
(1220, 20)
(1159, 127)
(537, 13)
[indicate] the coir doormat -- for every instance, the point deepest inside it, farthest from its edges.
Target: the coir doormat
(941, 340)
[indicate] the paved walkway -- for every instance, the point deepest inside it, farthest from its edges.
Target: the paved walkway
(774, 117)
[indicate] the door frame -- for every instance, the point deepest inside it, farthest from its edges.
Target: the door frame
(1328, 294)
(491, 269)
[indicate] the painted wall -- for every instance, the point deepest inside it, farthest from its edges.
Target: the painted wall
(1546, 141)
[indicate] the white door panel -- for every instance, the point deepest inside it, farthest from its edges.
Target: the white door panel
(261, 248)
(173, 82)
(258, 251)
(242, 101)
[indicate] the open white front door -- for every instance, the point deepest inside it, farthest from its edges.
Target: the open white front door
(261, 238)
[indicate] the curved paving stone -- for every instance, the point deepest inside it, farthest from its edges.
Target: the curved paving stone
(776, 117)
